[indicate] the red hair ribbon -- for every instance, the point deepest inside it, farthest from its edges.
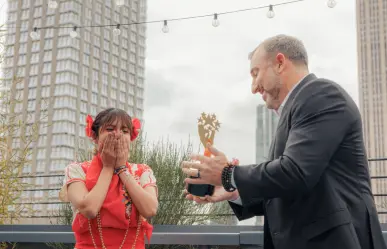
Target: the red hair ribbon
(89, 124)
(136, 126)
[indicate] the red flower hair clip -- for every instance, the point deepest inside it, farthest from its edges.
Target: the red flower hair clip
(136, 126)
(89, 124)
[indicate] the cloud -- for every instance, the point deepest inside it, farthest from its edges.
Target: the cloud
(196, 67)
(158, 90)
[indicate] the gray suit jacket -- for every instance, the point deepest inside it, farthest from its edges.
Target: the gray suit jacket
(315, 190)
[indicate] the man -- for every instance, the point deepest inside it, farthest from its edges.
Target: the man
(314, 191)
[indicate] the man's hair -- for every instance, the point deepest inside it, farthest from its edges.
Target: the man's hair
(290, 46)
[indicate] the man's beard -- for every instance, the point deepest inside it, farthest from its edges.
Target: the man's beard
(273, 101)
(274, 92)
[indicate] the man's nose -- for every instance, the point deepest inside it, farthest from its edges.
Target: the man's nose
(255, 88)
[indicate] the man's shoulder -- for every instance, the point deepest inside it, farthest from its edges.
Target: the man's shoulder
(318, 84)
(321, 89)
(324, 95)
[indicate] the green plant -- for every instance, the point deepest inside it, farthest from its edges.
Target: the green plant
(13, 156)
(165, 160)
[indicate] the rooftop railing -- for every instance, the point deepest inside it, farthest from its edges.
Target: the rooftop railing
(204, 236)
(208, 236)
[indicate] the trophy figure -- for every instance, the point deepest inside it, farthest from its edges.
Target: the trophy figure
(208, 125)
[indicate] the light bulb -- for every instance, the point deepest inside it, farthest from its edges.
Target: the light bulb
(165, 27)
(270, 13)
(331, 3)
(52, 4)
(120, 2)
(215, 21)
(73, 33)
(117, 30)
(34, 34)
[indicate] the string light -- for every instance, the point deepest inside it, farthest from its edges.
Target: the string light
(34, 34)
(117, 30)
(52, 4)
(215, 21)
(120, 3)
(73, 33)
(270, 13)
(331, 3)
(165, 28)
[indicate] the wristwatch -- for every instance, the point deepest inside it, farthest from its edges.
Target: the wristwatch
(226, 178)
(119, 169)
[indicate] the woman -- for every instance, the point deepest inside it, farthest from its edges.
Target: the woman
(110, 197)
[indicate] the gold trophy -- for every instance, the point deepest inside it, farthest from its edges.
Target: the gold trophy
(208, 125)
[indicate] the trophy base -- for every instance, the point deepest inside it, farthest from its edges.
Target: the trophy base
(200, 190)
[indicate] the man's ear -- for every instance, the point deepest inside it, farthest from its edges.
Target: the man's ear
(280, 61)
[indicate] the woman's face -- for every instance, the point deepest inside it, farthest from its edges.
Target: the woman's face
(117, 128)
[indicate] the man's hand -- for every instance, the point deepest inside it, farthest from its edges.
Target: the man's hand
(219, 195)
(208, 170)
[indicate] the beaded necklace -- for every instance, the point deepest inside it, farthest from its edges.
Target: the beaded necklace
(126, 232)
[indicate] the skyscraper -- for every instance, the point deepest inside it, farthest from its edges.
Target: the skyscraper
(372, 74)
(64, 78)
(266, 127)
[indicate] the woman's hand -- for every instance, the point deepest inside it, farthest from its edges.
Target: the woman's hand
(108, 154)
(122, 151)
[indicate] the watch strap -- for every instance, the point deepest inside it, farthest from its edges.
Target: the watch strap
(119, 169)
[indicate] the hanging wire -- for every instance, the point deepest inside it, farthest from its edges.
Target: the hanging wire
(169, 20)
